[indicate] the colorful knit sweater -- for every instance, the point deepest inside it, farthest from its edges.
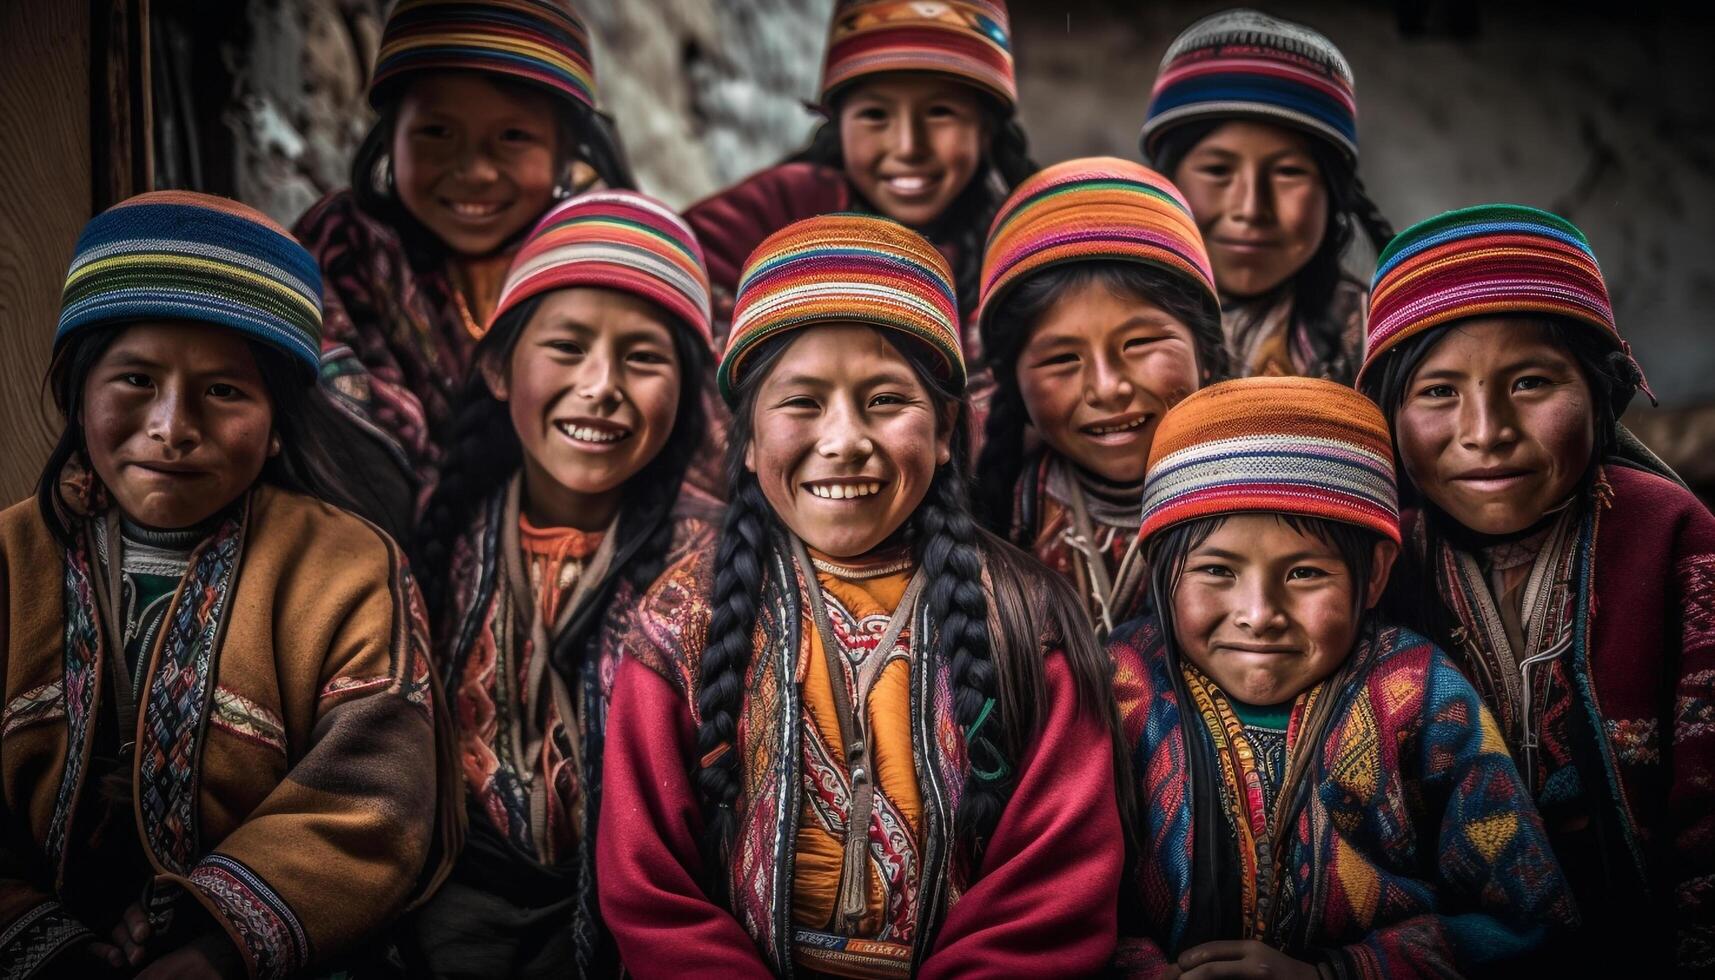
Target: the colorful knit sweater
(1045, 523)
(285, 751)
(533, 811)
(1041, 898)
(1633, 810)
(1267, 336)
(1412, 849)
(395, 348)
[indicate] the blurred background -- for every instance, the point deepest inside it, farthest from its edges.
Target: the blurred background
(1602, 112)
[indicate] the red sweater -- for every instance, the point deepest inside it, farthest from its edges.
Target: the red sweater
(1042, 901)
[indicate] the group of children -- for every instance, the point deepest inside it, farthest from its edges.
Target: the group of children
(907, 562)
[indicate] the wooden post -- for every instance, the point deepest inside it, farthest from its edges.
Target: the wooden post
(120, 123)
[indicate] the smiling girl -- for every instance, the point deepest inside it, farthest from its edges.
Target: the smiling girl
(559, 507)
(1098, 315)
(486, 112)
(1255, 120)
(1577, 589)
(1321, 793)
(858, 736)
(919, 100)
(220, 754)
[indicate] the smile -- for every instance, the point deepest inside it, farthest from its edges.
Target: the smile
(583, 432)
(910, 185)
(843, 490)
(473, 209)
(1122, 424)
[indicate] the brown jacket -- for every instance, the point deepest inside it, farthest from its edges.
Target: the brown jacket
(285, 765)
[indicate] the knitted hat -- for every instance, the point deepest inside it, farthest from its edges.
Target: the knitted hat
(849, 268)
(1244, 63)
(618, 240)
(1288, 445)
(1482, 261)
(1098, 208)
(181, 255)
(539, 41)
(968, 39)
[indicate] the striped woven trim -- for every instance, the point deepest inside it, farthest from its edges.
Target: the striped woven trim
(1484, 261)
(184, 255)
(1246, 64)
(1099, 208)
(968, 39)
(539, 41)
(851, 268)
(617, 240)
(1273, 445)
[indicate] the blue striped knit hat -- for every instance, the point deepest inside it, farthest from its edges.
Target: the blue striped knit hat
(181, 255)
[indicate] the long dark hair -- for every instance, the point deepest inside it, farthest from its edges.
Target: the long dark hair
(1006, 331)
(964, 225)
(582, 134)
(1350, 209)
(484, 453)
(322, 453)
(1610, 374)
(1029, 604)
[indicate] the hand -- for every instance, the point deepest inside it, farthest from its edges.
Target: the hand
(129, 942)
(210, 956)
(1242, 958)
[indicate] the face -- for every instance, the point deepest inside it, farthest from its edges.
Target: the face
(1497, 425)
(592, 387)
(912, 142)
(1260, 200)
(845, 439)
(177, 421)
(1266, 611)
(473, 161)
(1097, 374)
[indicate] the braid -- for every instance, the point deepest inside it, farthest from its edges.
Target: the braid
(482, 453)
(952, 560)
(739, 560)
(1363, 208)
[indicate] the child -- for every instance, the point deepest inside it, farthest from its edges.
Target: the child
(1322, 793)
(558, 508)
(827, 752)
(1256, 120)
(1574, 586)
(1098, 314)
(220, 750)
(486, 113)
(919, 102)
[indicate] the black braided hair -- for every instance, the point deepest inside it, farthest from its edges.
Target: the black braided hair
(483, 452)
(963, 227)
(1007, 329)
(583, 134)
(1350, 209)
(998, 681)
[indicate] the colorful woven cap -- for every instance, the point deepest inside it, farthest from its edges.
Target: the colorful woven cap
(615, 240)
(1246, 64)
(845, 268)
(1099, 208)
(539, 41)
(968, 39)
(1490, 260)
(181, 255)
(1300, 446)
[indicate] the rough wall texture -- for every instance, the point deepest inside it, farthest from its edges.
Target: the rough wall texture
(1560, 106)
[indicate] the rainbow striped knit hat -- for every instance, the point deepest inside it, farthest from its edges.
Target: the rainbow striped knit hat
(850, 268)
(1301, 446)
(617, 240)
(968, 39)
(1245, 63)
(1482, 261)
(181, 255)
(539, 41)
(1098, 208)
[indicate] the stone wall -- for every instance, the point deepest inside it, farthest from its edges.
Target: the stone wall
(1564, 105)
